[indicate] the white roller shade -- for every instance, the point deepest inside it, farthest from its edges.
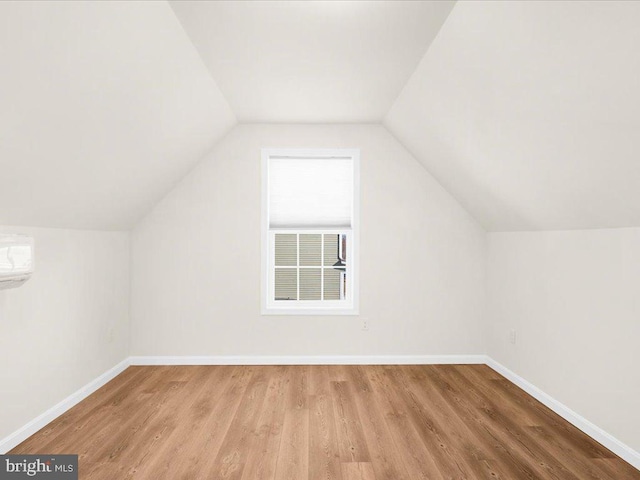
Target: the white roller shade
(310, 192)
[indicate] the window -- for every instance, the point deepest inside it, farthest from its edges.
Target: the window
(310, 232)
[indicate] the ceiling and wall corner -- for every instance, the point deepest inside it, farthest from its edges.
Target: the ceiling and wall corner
(311, 61)
(527, 113)
(105, 105)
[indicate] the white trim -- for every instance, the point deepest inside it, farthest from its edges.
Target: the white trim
(598, 434)
(20, 435)
(264, 227)
(311, 360)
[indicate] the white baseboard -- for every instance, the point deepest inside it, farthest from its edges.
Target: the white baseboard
(310, 360)
(54, 412)
(616, 446)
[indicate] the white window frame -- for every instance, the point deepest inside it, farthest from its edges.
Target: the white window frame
(348, 306)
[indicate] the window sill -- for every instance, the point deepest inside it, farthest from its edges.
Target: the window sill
(310, 311)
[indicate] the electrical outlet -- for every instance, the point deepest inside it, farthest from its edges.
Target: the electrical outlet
(512, 336)
(365, 324)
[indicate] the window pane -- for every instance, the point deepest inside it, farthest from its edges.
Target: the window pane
(331, 284)
(310, 249)
(286, 284)
(310, 283)
(286, 249)
(330, 249)
(343, 285)
(342, 249)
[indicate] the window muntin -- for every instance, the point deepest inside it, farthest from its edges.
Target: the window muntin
(310, 266)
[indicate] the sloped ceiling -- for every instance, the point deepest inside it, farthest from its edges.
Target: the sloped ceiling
(528, 112)
(103, 107)
(311, 61)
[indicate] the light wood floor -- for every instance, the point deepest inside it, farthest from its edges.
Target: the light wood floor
(321, 422)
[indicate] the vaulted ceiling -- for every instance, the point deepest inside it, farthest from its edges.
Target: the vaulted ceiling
(525, 111)
(311, 62)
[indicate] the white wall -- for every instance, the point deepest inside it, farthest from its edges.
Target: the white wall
(55, 329)
(196, 258)
(574, 299)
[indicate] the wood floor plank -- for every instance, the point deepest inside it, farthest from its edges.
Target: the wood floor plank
(351, 440)
(192, 416)
(158, 435)
(511, 435)
(293, 457)
(434, 435)
(514, 397)
(617, 468)
(234, 451)
(105, 395)
(477, 456)
(324, 454)
(482, 451)
(572, 451)
(417, 459)
(336, 373)
(358, 471)
(528, 410)
(321, 423)
(385, 458)
(299, 386)
(106, 404)
(320, 380)
(97, 436)
(265, 446)
(206, 442)
(147, 427)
